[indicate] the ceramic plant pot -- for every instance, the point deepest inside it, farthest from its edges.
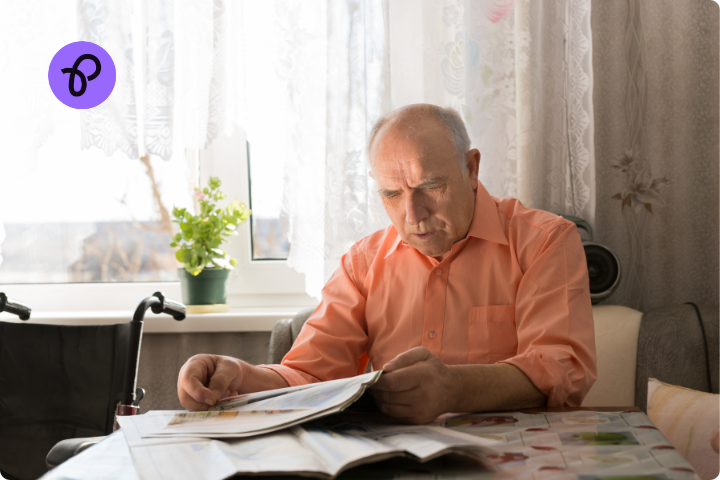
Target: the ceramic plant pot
(209, 287)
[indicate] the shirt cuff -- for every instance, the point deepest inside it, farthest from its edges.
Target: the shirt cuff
(547, 374)
(290, 375)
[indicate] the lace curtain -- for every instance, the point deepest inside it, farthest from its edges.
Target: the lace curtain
(336, 71)
(179, 71)
(519, 72)
(177, 74)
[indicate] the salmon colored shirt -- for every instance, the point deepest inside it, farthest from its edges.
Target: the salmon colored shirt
(514, 290)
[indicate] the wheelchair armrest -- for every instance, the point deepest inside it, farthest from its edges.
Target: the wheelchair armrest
(66, 449)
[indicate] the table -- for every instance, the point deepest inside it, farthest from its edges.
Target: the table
(534, 444)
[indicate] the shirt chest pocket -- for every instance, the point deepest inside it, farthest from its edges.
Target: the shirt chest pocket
(492, 335)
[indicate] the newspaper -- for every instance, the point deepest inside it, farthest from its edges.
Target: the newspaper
(577, 445)
(108, 460)
(315, 449)
(257, 413)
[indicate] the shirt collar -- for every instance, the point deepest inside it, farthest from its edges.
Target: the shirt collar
(486, 220)
(485, 223)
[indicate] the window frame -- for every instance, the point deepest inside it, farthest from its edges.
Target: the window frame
(254, 284)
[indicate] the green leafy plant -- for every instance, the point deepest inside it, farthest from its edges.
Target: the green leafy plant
(200, 236)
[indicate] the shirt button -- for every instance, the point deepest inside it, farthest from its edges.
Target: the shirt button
(438, 272)
(432, 334)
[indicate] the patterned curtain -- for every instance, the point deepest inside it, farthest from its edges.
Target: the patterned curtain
(656, 116)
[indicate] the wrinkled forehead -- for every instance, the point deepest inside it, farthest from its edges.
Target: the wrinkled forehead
(416, 151)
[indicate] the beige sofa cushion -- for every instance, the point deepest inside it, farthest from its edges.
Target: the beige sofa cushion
(616, 340)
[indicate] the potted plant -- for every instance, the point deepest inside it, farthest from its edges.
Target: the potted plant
(203, 280)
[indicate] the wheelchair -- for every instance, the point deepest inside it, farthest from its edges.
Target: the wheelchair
(63, 386)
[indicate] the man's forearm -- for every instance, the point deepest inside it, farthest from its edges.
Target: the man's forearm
(487, 388)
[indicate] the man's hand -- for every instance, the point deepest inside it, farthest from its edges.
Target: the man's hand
(416, 387)
(205, 379)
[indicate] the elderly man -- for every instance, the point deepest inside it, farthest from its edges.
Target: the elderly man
(469, 303)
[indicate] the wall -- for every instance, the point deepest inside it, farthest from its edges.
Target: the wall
(163, 354)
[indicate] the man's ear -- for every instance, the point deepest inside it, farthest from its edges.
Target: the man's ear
(472, 163)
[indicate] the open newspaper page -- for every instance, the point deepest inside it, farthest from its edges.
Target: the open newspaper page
(108, 460)
(260, 413)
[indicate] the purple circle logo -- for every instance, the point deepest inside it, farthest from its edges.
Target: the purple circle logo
(82, 75)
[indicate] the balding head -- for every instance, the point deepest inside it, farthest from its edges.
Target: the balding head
(408, 120)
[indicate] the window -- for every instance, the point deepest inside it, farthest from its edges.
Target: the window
(82, 216)
(268, 241)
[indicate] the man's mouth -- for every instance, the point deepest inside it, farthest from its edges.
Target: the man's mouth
(424, 236)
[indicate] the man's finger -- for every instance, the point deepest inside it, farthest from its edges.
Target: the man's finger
(400, 380)
(188, 402)
(225, 374)
(198, 392)
(405, 359)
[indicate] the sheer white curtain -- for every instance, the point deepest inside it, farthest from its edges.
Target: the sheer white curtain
(176, 69)
(177, 74)
(179, 71)
(519, 72)
(337, 85)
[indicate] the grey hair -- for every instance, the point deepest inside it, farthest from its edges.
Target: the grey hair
(447, 116)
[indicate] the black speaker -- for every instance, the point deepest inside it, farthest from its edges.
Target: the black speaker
(603, 265)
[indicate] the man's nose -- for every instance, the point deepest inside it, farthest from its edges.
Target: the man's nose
(415, 209)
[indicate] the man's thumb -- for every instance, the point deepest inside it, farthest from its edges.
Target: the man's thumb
(405, 359)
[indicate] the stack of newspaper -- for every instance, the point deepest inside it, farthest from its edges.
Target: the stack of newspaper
(310, 431)
(286, 431)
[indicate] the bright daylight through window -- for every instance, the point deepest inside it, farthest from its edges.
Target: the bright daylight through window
(109, 220)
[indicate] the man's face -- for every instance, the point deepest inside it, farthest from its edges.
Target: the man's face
(426, 194)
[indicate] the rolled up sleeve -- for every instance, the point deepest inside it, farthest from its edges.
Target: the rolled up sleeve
(553, 316)
(334, 337)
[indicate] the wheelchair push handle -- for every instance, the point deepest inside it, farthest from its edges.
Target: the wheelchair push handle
(158, 304)
(171, 307)
(13, 306)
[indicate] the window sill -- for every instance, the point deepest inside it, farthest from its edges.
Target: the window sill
(236, 320)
